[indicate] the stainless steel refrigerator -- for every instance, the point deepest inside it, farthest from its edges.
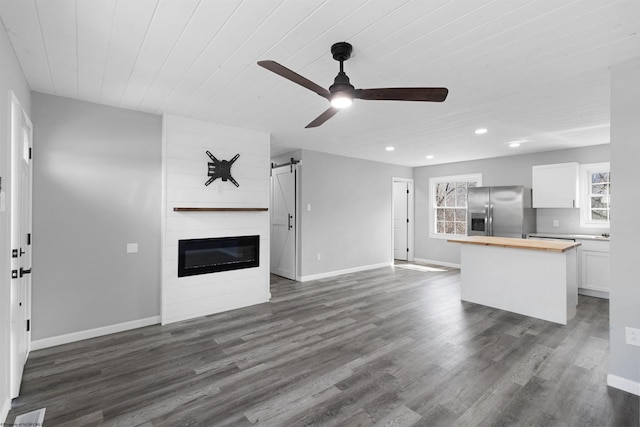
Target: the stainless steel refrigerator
(500, 211)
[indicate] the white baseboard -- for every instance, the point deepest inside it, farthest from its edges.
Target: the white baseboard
(434, 262)
(593, 293)
(4, 410)
(93, 333)
(624, 384)
(346, 271)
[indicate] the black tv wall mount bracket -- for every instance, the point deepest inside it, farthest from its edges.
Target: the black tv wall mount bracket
(221, 169)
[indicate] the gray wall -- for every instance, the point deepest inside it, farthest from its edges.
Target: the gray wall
(350, 222)
(624, 359)
(96, 187)
(512, 170)
(11, 78)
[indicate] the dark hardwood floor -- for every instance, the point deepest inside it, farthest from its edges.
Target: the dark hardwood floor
(391, 346)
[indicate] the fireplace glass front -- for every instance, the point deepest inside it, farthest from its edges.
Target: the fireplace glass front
(202, 256)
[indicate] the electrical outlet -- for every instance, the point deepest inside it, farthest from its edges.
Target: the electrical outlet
(633, 336)
(317, 257)
(556, 223)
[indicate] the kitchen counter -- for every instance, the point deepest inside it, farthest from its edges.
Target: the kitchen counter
(536, 278)
(507, 242)
(571, 236)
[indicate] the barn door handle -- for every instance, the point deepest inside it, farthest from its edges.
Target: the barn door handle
(289, 221)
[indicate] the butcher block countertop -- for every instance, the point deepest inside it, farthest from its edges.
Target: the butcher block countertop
(507, 242)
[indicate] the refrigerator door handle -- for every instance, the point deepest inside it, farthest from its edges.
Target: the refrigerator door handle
(491, 219)
(486, 220)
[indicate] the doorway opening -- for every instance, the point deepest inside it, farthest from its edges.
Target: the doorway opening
(402, 227)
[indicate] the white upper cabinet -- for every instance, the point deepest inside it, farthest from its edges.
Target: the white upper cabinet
(556, 186)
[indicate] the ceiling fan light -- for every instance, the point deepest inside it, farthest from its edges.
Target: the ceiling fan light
(341, 101)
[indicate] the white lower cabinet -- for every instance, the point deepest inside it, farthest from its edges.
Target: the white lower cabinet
(594, 268)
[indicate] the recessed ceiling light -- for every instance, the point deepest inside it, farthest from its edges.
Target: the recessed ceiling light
(430, 156)
(516, 143)
(390, 148)
(481, 131)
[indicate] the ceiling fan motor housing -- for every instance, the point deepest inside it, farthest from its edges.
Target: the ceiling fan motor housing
(341, 83)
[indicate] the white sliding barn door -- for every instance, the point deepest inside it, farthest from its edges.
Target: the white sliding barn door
(283, 221)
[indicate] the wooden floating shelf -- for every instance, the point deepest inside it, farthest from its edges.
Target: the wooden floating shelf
(220, 209)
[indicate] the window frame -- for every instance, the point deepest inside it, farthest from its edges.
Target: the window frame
(585, 193)
(433, 182)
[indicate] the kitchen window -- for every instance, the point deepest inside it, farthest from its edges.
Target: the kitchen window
(448, 204)
(595, 185)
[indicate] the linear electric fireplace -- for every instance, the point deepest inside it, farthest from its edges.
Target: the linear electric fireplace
(202, 256)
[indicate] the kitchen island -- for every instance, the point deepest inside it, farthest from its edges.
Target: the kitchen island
(536, 278)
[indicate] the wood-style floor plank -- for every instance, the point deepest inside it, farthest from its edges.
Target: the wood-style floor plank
(392, 346)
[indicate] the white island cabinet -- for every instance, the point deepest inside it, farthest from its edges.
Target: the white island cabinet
(594, 260)
(555, 186)
(531, 277)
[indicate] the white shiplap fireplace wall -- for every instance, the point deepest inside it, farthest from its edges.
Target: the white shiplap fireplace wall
(185, 173)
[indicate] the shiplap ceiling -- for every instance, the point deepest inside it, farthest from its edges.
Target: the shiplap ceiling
(532, 71)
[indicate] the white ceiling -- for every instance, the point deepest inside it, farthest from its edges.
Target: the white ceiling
(535, 70)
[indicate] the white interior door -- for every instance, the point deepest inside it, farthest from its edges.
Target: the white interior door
(400, 220)
(21, 213)
(283, 222)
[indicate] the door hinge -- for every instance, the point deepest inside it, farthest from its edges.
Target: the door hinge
(28, 325)
(14, 274)
(30, 153)
(23, 271)
(407, 249)
(407, 220)
(28, 238)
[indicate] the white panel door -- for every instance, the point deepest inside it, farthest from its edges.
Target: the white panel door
(21, 136)
(400, 220)
(283, 222)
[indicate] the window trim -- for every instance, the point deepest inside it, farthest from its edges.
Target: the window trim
(585, 184)
(433, 181)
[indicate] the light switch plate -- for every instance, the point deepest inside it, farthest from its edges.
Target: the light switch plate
(132, 248)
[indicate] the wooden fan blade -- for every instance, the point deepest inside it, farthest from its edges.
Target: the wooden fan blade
(322, 118)
(283, 71)
(432, 94)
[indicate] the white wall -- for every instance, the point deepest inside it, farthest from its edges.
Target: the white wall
(512, 170)
(185, 172)
(624, 359)
(96, 188)
(11, 79)
(350, 221)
